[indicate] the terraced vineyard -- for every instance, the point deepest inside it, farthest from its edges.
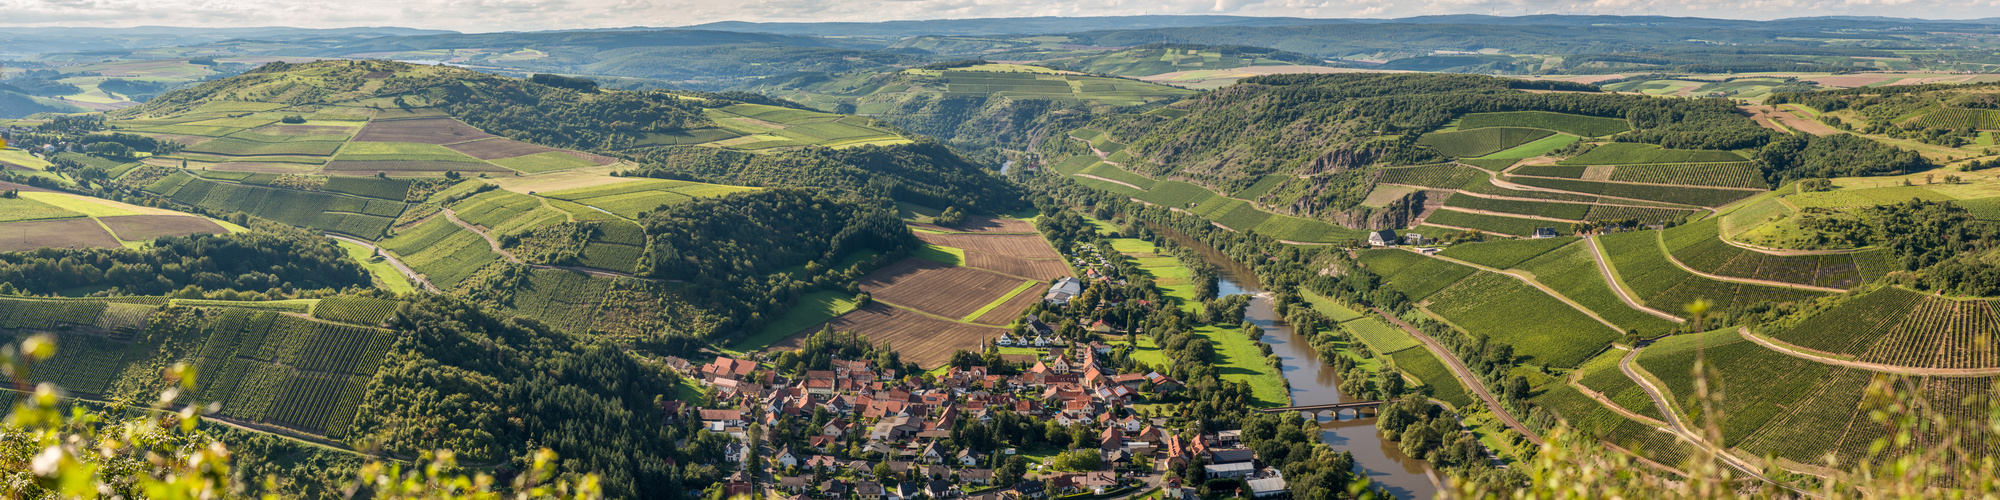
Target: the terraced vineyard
(354, 215)
(629, 199)
(1505, 254)
(1758, 383)
(1654, 280)
(1741, 175)
(1630, 153)
(444, 252)
(1852, 326)
(1481, 142)
(1417, 276)
(1441, 176)
(1699, 246)
(1554, 210)
(1497, 224)
(1490, 304)
(1706, 197)
(1572, 272)
(1587, 126)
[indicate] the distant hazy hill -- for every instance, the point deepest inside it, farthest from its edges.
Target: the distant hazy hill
(1005, 25)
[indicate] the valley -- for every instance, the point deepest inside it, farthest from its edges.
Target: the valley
(1091, 261)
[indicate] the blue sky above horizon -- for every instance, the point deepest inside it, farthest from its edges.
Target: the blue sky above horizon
(527, 15)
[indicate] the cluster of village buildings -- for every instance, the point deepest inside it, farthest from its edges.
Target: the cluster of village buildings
(903, 419)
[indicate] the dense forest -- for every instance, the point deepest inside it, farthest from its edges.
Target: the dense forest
(925, 173)
(274, 261)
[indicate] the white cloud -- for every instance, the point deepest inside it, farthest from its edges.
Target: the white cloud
(521, 15)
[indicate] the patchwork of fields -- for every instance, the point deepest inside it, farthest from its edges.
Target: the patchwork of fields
(38, 219)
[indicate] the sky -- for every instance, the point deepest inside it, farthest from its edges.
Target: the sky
(528, 15)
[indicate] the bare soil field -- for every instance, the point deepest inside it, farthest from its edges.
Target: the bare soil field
(497, 148)
(593, 158)
(558, 181)
(1036, 269)
(985, 225)
(425, 130)
(1012, 308)
(63, 233)
(940, 289)
(146, 227)
(9, 186)
(921, 339)
(393, 167)
(1026, 246)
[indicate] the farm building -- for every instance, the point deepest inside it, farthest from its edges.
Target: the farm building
(1545, 232)
(1269, 487)
(1066, 288)
(1383, 238)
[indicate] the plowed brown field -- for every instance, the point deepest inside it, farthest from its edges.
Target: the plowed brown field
(424, 130)
(985, 225)
(921, 339)
(62, 233)
(947, 291)
(1036, 269)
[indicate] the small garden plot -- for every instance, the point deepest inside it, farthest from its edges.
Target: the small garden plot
(1491, 304)
(1556, 210)
(948, 291)
(424, 130)
(1507, 226)
(543, 162)
(1630, 153)
(1423, 365)
(1740, 175)
(148, 227)
(498, 147)
(1588, 126)
(1505, 254)
(920, 339)
(58, 233)
(1481, 142)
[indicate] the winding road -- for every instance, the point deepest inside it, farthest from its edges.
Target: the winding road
(393, 261)
(1465, 377)
(1611, 278)
(1799, 352)
(1680, 430)
(490, 241)
(1781, 284)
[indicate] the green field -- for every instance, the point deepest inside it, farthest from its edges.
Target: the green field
(1854, 198)
(1533, 149)
(812, 309)
(1417, 276)
(630, 199)
(1630, 153)
(1490, 304)
(1587, 126)
(1423, 365)
(385, 274)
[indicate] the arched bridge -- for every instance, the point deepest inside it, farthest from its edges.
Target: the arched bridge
(1332, 407)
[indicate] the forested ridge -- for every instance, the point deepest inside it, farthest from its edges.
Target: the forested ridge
(925, 173)
(274, 261)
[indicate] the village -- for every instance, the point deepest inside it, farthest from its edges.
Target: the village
(875, 434)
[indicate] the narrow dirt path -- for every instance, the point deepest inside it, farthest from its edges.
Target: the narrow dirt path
(1465, 377)
(1538, 285)
(393, 261)
(1680, 430)
(1614, 406)
(453, 216)
(1661, 238)
(1113, 181)
(1611, 278)
(1799, 352)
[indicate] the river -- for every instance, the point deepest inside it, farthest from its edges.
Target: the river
(1314, 382)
